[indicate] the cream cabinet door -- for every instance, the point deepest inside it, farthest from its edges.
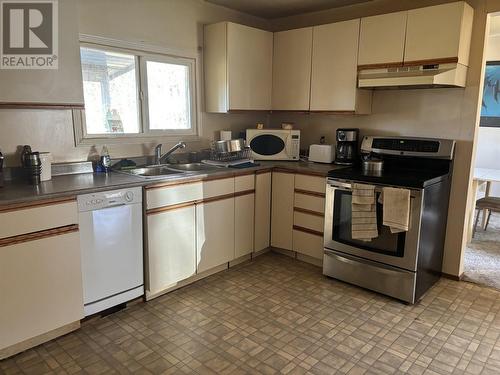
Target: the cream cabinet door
(61, 86)
(262, 211)
(382, 39)
(243, 224)
(249, 67)
(214, 233)
(439, 32)
(171, 248)
(292, 69)
(334, 68)
(308, 244)
(41, 287)
(282, 210)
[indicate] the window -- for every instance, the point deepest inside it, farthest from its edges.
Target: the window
(130, 94)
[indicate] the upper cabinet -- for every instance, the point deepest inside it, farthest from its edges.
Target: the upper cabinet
(441, 32)
(238, 68)
(292, 69)
(382, 40)
(334, 69)
(60, 87)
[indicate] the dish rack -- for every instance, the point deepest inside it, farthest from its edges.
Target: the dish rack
(244, 154)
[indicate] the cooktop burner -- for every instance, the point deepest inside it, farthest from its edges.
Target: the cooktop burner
(408, 162)
(411, 178)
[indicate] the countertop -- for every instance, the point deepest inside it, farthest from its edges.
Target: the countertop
(19, 191)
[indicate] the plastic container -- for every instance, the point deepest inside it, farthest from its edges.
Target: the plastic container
(46, 159)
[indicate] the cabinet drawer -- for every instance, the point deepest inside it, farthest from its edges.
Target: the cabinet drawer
(308, 244)
(310, 183)
(175, 194)
(242, 183)
(309, 221)
(310, 202)
(40, 216)
(216, 188)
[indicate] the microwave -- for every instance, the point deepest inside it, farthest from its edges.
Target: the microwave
(274, 144)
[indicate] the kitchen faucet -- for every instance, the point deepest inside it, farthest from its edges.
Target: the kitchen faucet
(160, 159)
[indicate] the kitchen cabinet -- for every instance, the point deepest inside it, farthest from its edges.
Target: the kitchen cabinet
(244, 224)
(282, 210)
(215, 228)
(262, 211)
(308, 216)
(171, 247)
(238, 68)
(382, 40)
(40, 274)
(439, 33)
(334, 70)
(51, 88)
(244, 215)
(292, 69)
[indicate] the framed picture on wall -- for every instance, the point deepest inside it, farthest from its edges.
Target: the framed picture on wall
(490, 107)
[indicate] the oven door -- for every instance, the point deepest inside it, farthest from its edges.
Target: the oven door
(399, 250)
(273, 145)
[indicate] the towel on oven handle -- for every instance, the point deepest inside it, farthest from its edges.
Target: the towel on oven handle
(396, 208)
(364, 213)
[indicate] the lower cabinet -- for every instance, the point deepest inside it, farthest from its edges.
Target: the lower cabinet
(244, 224)
(282, 210)
(171, 247)
(307, 243)
(262, 237)
(41, 289)
(215, 226)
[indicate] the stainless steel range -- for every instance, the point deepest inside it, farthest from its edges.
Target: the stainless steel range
(402, 265)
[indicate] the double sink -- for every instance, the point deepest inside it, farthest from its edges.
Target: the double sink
(165, 170)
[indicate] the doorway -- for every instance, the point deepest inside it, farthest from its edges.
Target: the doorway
(482, 253)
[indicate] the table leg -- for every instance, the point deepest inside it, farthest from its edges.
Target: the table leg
(475, 185)
(486, 211)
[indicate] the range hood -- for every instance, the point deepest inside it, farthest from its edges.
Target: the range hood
(423, 76)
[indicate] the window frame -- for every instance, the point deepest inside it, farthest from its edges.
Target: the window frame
(142, 53)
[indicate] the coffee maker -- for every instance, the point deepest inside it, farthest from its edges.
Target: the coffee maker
(346, 151)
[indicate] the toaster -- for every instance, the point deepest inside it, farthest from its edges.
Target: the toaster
(322, 153)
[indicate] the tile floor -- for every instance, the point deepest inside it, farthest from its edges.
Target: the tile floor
(280, 315)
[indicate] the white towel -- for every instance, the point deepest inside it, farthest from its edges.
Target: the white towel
(364, 213)
(396, 209)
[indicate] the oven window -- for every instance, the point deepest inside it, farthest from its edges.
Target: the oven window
(386, 242)
(267, 144)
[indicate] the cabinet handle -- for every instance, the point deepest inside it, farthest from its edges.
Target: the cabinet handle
(38, 235)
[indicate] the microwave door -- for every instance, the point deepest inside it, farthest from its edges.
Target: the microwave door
(267, 146)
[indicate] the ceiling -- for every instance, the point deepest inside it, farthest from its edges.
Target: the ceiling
(282, 8)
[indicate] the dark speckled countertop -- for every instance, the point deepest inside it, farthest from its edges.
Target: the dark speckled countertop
(15, 192)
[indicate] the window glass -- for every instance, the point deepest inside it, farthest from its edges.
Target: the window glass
(168, 96)
(110, 92)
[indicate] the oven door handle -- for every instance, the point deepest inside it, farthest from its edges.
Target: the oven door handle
(341, 185)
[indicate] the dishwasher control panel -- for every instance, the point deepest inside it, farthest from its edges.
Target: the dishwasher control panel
(104, 199)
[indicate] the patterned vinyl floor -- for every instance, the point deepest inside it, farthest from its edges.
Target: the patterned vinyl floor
(278, 315)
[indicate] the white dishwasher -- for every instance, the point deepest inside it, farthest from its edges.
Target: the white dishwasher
(111, 246)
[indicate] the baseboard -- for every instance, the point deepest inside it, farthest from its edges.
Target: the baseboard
(452, 277)
(240, 260)
(255, 254)
(38, 340)
(288, 253)
(311, 260)
(192, 279)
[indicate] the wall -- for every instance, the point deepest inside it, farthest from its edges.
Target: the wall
(441, 113)
(176, 25)
(488, 141)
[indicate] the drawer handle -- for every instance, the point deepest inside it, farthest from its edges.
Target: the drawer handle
(38, 235)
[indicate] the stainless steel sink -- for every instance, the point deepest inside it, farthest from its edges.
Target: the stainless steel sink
(192, 167)
(153, 171)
